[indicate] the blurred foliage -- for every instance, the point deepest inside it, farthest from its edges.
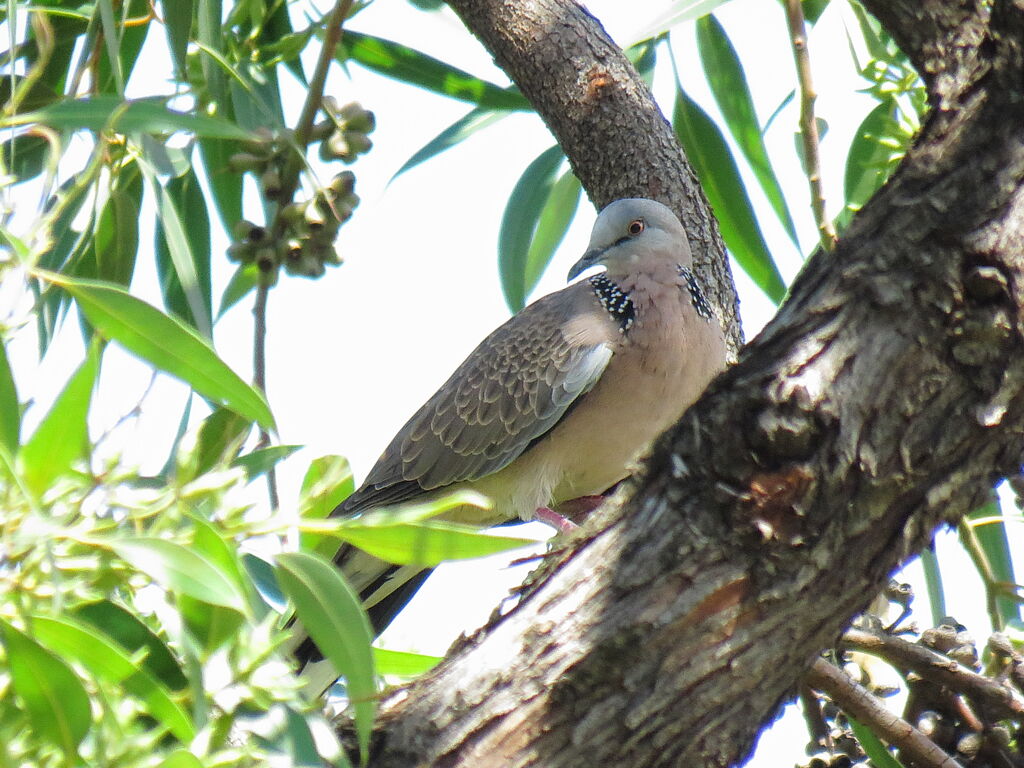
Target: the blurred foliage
(137, 625)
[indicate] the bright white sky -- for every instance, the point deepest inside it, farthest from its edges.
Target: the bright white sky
(352, 355)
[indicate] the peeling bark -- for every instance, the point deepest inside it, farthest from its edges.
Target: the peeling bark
(884, 399)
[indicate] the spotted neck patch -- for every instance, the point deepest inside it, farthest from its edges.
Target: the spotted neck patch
(616, 302)
(697, 297)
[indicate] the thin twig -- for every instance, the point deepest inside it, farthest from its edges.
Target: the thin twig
(996, 698)
(858, 703)
(808, 124)
(289, 183)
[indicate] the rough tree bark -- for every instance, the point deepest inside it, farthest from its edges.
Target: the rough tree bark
(886, 397)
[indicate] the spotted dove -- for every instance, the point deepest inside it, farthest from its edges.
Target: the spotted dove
(558, 402)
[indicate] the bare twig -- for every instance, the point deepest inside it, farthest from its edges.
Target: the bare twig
(289, 183)
(808, 124)
(858, 703)
(999, 700)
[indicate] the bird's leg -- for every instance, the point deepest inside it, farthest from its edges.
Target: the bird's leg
(548, 516)
(579, 509)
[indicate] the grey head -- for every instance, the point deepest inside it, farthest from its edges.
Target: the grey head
(630, 230)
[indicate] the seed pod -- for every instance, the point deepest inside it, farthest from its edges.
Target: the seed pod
(240, 162)
(343, 184)
(358, 142)
(270, 182)
(357, 119)
(241, 253)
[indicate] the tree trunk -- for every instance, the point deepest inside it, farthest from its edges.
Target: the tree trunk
(886, 397)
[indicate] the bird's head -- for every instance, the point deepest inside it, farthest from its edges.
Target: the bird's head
(631, 230)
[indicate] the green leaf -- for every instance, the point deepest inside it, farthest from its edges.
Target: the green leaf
(164, 343)
(720, 179)
(246, 277)
(10, 408)
(518, 224)
(180, 570)
(132, 634)
(261, 461)
(53, 696)
(403, 663)
(728, 83)
(334, 617)
(220, 437)
(214, 625)
(813, 9)
(411, 66)
(105, 660)
(871, 151)
(455, 133)
(225, 183)
(677, 13)
(995, 548)
(189, 244)
(62, 435)
(933, 583)
(873, 747)
(327, 483)
(427, 543)
(123, 44)
(25, 155)
(116, 235)
(177, 16)
(556, 216)
(262, 574)
(109, 113)
(181, 758)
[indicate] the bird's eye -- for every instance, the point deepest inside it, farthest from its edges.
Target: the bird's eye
(636, 226)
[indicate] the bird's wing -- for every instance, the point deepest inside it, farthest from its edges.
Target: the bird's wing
(513, 388)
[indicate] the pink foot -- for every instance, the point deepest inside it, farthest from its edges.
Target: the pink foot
(555, 520)
(579, 509)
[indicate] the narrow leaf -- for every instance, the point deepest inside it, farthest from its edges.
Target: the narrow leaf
(327, 483)
(178, 24)
(334, 617)
(225, 183)
(261, 461)
(132, 634)
(455, 133)
(180, 569)
(995, 547)
(873, 746)
(54, 697)
(164, 343)
(677, 13)
(720, 179)
(89, 647)
(728, 83)
(109, 113)
(116, 234)
(246, 278)
(428, 543)
(870, 154)
(411, 66)
(403, 663)
(555, 218)
(10, 408)
(519, 222)
(181, 758)
(61, 436)
(189, 244)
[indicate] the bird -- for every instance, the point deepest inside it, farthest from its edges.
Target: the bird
(557, 403)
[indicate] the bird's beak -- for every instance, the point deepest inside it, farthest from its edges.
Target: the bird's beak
(590, 258)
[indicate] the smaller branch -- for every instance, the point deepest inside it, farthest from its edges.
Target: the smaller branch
(858, 703)
(259, 375)
(1001, 701)
(808, 124)
(817, 728)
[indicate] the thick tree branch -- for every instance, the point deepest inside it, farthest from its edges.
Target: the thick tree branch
(885, 398)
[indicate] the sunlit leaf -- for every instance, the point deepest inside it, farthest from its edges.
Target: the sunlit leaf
(245, 279)
(62, 435)
(53, 696)
(720, 179)
(165, 343)
(519, 222)
(873, 747)
(868, 160)
(181, 758)
(555, 219)
(416, 68)
(327, 483)
(189, 204)
(428, 543)
(109, 113)
(680, 11)
(995, 549)
(10, 408)
(104, 659)
(334, 617)
(403, 663)
(116, 235)
(728, 83)
(180, 569)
